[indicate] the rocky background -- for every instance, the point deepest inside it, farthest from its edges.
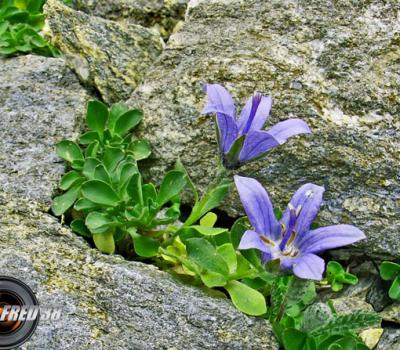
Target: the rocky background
(335, 64)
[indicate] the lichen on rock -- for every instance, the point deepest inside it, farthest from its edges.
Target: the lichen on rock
(112, 57)
(336, 67)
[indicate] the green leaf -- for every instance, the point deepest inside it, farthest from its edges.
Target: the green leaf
(228, 253)
(100, 192)
(149, 193)
(394, 291)
(294, 339)
(100, 173)
(112, 156)
(334, 268)
(180, 167)
(144, 246)
(89, 167)
(134, 189)
(209, 219)
(96, 116)
(62, 203)
(89, 137)
(208, 231)
(347, 323)
(105, 242)
(127, 121)
(231, 158)
(209, 201)
(389, 270)
(237, 231)
(69, 179)
(92, 149)
(85, 204)
(246, 299)
(205, 255)
(69, 151)
(79, 227)
(116, 110)
(141, 149)
(98, 222)
(172, 184)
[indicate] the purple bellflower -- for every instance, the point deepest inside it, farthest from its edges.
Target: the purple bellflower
(291, 240)
(242, 140)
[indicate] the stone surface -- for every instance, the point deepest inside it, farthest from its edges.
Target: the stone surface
(162, 15)
(109, 56)
(108, 302)
(390, 340)
(40, 104)
(334, 65)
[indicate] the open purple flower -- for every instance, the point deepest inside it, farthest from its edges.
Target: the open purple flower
(242, 140)
(290, 240)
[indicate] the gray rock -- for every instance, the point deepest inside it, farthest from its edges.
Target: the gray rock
(390, 340)
(108, 302)
(159, 14)
(41, 101)
(112, 57)
(334, 65)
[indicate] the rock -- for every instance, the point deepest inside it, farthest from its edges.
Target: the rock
(378, 294)
(161, 15)
(108, 302)
(112, 57)
(390, 340)
(337, 67)
(41, 101)
(391, 313)
(371, 336)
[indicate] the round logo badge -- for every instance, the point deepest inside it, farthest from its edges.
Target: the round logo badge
(19, 313)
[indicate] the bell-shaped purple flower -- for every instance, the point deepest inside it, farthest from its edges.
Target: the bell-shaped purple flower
(242, 140)
(291, 240)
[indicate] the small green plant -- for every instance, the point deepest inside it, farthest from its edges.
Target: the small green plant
(390, 271)
(20, 24)
(104, 189)
(337, 276)
(267, 262)
(301, 324)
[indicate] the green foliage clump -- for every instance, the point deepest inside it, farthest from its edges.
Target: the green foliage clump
(109, 202)
(390, 271)
(301, 324)
(104, 187)
(337, 276)
(20, 24)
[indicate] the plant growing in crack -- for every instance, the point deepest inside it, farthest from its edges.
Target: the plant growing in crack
(267, 262)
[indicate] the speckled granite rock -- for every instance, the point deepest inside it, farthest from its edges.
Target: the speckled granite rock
(112, 57)
(334, 65)
(162, 15)
(110, 303)
(40, 104)
(390, 340)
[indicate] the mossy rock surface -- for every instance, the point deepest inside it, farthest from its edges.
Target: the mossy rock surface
(111, 57)
(334, 65)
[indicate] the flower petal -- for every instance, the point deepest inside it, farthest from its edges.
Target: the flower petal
(227, 131)
(288, 128)
(260, 116)
(309, 266)
(251, 239)
(219, 100)
(258, 206)
(329, 237)
(309, 198)
(256, 144)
